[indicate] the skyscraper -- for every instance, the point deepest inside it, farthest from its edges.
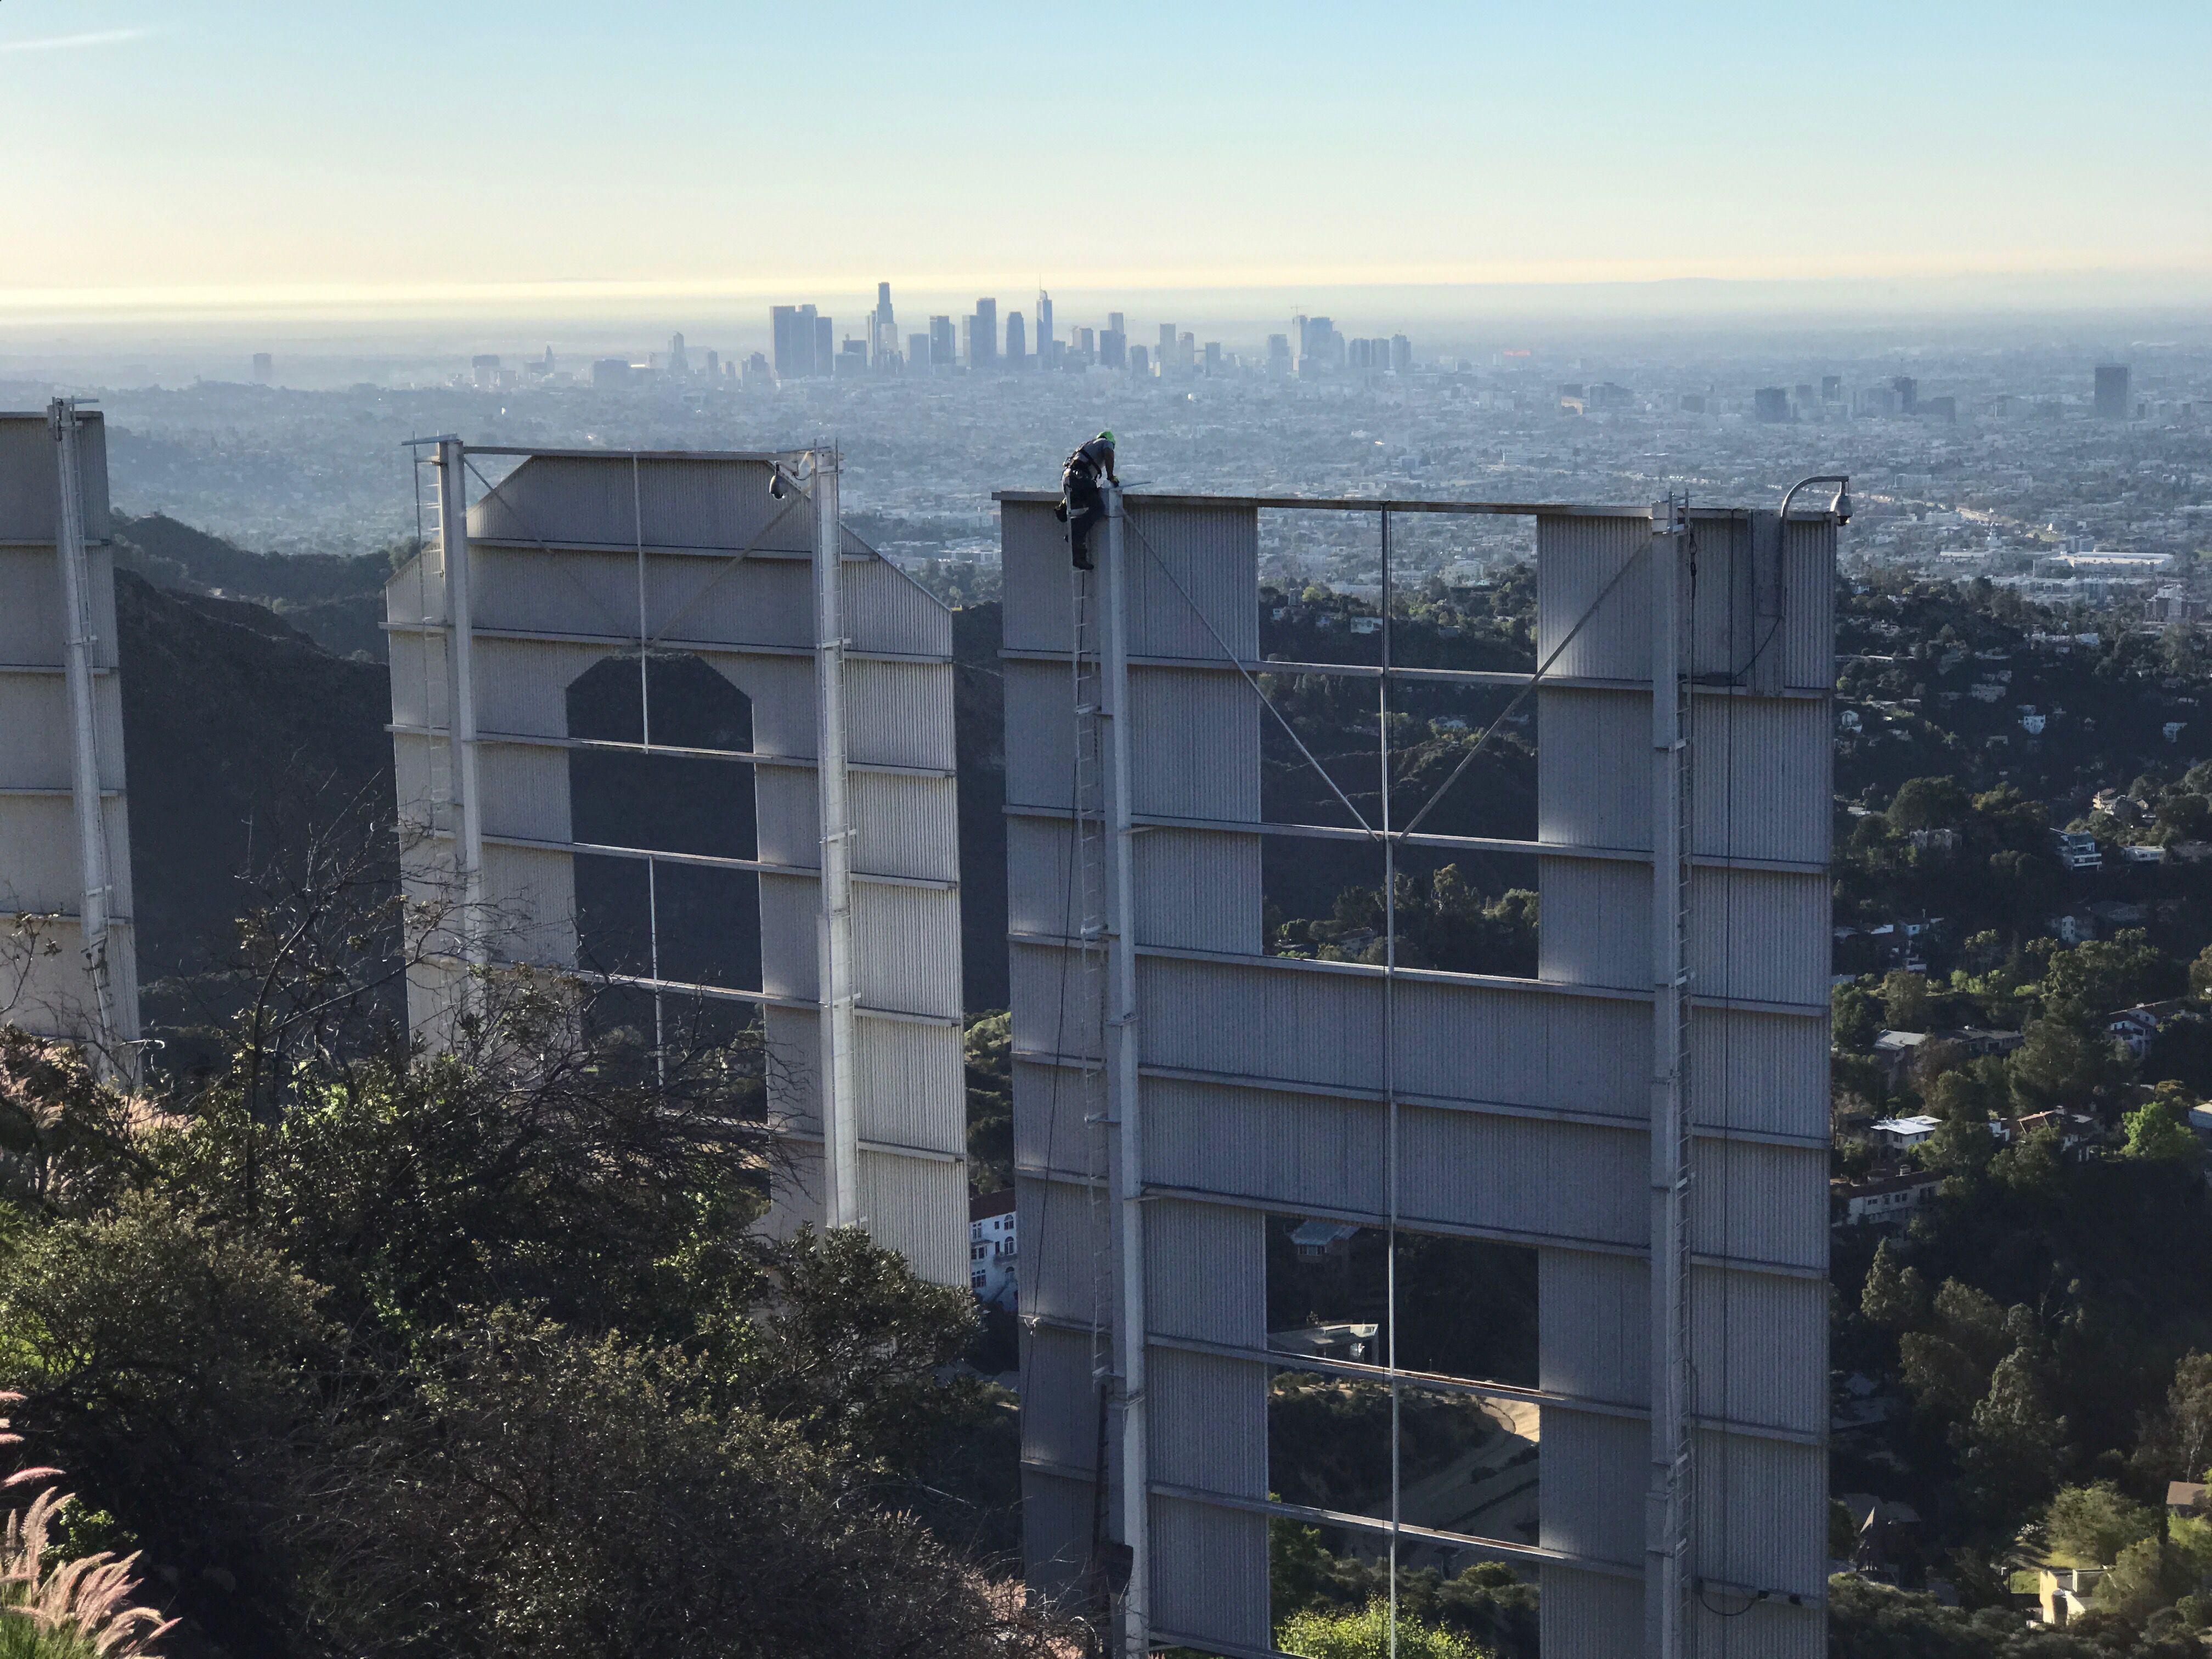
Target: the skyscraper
(1047, 347)
(917, 351)
(796, 329)
(944, 346)
(1908, 393)
(1018, 349)
(679, 361)
(1114, 343)
(2112, 392)
(825, 345)
(983, 336)
(882, 329)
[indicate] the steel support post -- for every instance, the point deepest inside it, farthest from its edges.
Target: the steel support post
(1669, 1498)
(96, 879)
(840, 1118)
(1124, 1102)
(461, 698)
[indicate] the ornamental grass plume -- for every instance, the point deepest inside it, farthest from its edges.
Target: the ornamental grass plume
(82, 1609)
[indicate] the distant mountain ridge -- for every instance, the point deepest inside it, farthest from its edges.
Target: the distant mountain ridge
(336, 599)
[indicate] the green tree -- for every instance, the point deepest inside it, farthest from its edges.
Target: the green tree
(2061, 1063)
(2145, 1578)
(2098, 975)
(1367, 1635)
(1893, 1296)
(1855, 1019)
(2159, 1130)
(1905, 1000)
(1929, 803)
(2016, 1444)
(2089, 1526)
(1948, 1367)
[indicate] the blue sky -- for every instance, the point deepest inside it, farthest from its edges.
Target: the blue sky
(245, 154)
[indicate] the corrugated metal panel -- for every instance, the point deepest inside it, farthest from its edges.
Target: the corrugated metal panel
(788, 811)
(1576, 557)
(794, 1190)
(1197, 890)
(31, 621)
(529, 898)
(1200, 757)
(885, 609)
(1050, 1015)
(28, 496)
(793, 1039)
(1034, 548)
(1595, 922)
(899, 714)
(1739, 1322)
(1766, 1072)
(1043, 894)
(1589, 1615)
(1262, 1020)
(1525, 1175)
(912, 1085)
(1761, 1203)
(1759, 778)
(1808, 608)
(35, 750)
(1592, 1478)
(115, 818)
(1524, 1047)
(526, 791)
(782, 691)
(790, 912)
(1762, 1513)
(1747, 935)
(1040, 734)
(1211, 1418)
(1290, 1150)
(904, 826)
(907, 942)
(904, 1205)
(418, 678)
(1206, 1277)
(1213, 553)
(1726, 628)
(1594, 1318)
(1594, 768)
(745, 602)
(527, 589)
(1054, 1111)
(413, 593)
(706, 503)
(1056, 1533)
(1726, 1628)
(1209, 1572)
(1060, 1399)
(1067, 1270)
(522, 685)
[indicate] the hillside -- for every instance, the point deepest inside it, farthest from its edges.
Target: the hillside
(335, 599)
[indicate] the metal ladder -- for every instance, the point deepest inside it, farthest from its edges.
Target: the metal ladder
(1684, 1470)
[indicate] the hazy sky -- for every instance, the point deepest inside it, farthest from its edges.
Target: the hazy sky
(254, 158)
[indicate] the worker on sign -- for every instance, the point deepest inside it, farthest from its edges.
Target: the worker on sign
(1081, 505)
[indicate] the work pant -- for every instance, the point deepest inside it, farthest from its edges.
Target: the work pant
(1083, 509)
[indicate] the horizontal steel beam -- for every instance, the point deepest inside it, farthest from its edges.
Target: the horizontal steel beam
(670, 646)
(700, 861)
(734, 756)
(1431, 1103)
(1141, 498)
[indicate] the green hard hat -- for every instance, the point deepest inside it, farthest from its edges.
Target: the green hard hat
(1106, 438)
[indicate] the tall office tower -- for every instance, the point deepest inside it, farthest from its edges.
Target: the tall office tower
(2112, 392)
(1046, 344)
(265, 367)
(825, 345)
(883, 328)
(1908, 393)
(798, 332)
(1770, 405)
(679, 361)
(1832, 388)
(1084, 342)
(1114, 343)
(1018, 345)
(1212, 359)
(944, 348)
(1401, 354)
(1167, 344)
(1278, 354)
(983, 336)
(1140, 363)
(714, 365)
(917, 351)
(1116, 322)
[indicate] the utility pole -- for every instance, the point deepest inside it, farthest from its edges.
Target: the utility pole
(841, 1121)
(1123, 1101)
(96, 876)
(461, 698)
